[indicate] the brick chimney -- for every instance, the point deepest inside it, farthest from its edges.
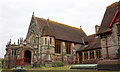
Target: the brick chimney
(96, 28)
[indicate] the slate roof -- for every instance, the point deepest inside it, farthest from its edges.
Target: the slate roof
(108, 16)
(60, 31)
(93, 43)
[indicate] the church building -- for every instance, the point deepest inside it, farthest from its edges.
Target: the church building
(45, 40)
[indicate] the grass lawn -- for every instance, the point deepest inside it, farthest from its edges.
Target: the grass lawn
(59, 69)
(63, 69)
(49, 68)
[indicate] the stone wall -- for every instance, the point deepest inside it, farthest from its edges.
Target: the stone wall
(112, 43)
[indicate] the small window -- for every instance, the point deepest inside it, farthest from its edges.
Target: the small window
(68, 47)
(15, 52)
(98, 54)
(57, 46)
(45, 40)
(50, 40)
(92, 55)
(12, 52)
(86, 55)
(118, 28)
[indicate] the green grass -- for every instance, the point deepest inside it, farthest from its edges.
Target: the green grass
(52, 68)
(0, 70)
(65, 69)
(59, 69)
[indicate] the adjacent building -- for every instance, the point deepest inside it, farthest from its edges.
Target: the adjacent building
(109, 31)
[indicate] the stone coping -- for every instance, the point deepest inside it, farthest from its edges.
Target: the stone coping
(109, 62)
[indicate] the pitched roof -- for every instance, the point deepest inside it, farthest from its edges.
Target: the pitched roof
(93, 43)
(60, 31)
(108, 17)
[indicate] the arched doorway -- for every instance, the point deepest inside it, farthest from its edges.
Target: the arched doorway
(28, 57)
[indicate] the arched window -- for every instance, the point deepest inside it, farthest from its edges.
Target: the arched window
(15, 52)
(12, 52)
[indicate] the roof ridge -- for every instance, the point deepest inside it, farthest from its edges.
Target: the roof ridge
(112, 4)
(90, 35)
(61, 24)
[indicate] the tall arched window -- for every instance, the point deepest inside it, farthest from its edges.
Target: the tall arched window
(15, 52)
(68, 47)
(12, 52)
(57, 47)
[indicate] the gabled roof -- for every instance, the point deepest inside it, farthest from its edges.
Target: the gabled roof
(109, 16)
(93, 43)
(60, 31)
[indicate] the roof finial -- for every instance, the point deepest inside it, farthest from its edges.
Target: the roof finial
(10, 41)
(48, 19)
(80, 26)
(33, 14)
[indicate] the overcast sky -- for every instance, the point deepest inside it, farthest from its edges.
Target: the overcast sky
(15, 15)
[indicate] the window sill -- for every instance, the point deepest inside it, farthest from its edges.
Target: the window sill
(57, 54)
(69, 55)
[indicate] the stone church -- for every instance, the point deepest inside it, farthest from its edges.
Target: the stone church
(47, 40)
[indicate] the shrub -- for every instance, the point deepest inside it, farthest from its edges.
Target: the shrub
(65, 63)
(42, 65)
(57, 64)
(28, 67)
